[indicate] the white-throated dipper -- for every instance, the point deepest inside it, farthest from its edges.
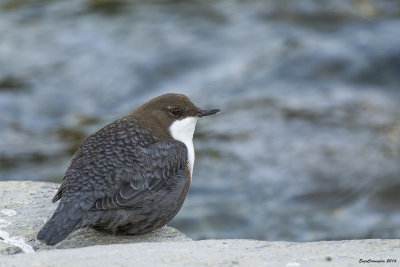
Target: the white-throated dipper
(132, 176)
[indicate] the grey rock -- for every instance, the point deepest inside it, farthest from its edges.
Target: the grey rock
(25, 207)
(218, 253)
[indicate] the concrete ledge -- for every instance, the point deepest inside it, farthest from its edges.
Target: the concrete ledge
(218, 253)
(24, 207)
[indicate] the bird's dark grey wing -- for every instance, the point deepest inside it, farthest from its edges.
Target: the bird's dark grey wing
(162, 161)
(91, 170)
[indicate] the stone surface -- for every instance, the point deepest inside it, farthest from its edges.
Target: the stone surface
(218, 253)
(25, 207)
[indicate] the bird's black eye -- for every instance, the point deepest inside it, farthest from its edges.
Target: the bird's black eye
(175, 112)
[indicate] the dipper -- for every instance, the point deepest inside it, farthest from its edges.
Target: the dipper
(132, 176)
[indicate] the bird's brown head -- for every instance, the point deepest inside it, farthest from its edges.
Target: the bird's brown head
(171, 115)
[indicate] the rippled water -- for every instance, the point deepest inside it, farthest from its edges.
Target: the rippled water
(307, 146)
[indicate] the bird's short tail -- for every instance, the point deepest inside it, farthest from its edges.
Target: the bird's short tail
(62, 223)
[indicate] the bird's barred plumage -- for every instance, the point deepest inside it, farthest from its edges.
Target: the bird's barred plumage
(124, 178)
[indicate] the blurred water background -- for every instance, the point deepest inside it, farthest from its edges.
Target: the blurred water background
(307, 146)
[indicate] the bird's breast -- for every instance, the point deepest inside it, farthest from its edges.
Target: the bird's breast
(183, 130)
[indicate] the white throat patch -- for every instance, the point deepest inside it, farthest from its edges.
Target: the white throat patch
(183, 131)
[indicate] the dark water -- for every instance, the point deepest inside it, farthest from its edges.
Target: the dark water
(307, 146)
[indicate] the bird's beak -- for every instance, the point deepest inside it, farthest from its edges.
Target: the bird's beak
(206, 112)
